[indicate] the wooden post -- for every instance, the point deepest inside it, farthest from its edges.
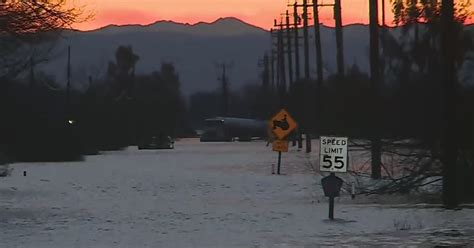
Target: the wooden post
(317, 40)
(374, 82)
(339, 39)
(306, 40)
(289, 48)
(297, 45)
(450, 137)
(68, 85)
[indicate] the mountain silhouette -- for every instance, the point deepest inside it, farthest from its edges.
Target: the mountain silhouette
(194, 50)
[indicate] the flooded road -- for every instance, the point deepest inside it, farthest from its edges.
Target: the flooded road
(204, 195)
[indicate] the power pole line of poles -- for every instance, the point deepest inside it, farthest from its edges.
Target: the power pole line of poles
(318, 49)
(376, 155)
(338, 31)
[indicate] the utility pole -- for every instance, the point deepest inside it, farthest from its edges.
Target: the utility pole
(339, 38)
(305, 6)
(262, 109)
(225, 89)
(297, 45)
(306, 61)
(375, 81)
(289, 53)
(450, 142)
(383, 13)
(289, 48)
(68, 86)
(276, 53)
(272, 70)
(317, 41)
(266, 73)
(272, 60)
(296, 23)
(281, 64)
(318, 49)
(225, 92)
(319, 66)
(306, 39)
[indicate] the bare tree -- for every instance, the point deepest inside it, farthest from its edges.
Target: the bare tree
(27, 25)
(22, 18)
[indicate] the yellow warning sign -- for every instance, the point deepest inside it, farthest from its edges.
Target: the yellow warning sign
(282, 124)
(280, 145)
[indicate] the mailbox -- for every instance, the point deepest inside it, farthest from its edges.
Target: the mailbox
(331, 185)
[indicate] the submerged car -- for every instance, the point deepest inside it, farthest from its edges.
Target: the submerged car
(157, 142)
(229, 128)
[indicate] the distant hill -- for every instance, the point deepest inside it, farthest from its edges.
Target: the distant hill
(194, 49)
(222, 27)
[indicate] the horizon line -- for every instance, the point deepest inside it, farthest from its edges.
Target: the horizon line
(213, 22)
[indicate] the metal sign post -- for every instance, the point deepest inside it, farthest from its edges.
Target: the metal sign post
(279, 163)
(282, 124)
(280, 146)
(332, 187)
(331, 207)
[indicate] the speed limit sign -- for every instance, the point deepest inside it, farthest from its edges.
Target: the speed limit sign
(333, 154)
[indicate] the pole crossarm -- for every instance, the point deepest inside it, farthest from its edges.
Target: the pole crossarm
(311, 5)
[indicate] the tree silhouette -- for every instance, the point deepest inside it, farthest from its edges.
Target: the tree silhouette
(29, 22)
(22, 18)
(415, 66)
(159, 105)
(122, 72)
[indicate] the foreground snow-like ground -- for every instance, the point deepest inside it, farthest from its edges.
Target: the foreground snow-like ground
(203, 195)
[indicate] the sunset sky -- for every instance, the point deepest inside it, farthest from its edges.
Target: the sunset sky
(257, 12)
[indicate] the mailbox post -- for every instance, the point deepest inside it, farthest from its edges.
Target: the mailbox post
(332, 187)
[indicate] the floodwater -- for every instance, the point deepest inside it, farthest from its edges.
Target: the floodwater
(204, 195)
